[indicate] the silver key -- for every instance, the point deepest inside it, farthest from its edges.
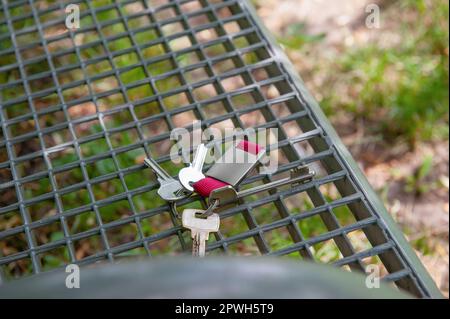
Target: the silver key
(193, 173)
(170, 189)
(200, 229)
(227, 196)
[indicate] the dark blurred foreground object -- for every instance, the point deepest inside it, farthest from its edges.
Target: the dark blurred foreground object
(202, 278)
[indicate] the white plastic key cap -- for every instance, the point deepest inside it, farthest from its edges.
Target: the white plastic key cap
(200, 229)
(193, 173)
(170, 189)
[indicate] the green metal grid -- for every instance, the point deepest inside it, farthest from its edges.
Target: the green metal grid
(206, 60)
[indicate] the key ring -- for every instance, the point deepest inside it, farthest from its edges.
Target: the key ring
(173, 209)
(210, 210)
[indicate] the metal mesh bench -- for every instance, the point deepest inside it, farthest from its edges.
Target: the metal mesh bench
(80, 108)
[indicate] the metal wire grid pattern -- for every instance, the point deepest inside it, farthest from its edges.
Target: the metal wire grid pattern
(216, 60)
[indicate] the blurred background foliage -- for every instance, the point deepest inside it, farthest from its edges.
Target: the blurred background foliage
(386, 92)
(401, 88)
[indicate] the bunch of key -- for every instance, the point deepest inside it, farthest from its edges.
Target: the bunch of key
(219, 184)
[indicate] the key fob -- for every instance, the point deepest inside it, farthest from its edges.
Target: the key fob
(232, 167)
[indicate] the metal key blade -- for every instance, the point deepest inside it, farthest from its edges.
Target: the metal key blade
(226, 196)
(300, 178)
(200, 229)
(199, 158)
(170, 189)
(158, 170)
(199, 243)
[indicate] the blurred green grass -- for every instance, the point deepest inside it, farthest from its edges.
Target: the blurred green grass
(400, 89)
